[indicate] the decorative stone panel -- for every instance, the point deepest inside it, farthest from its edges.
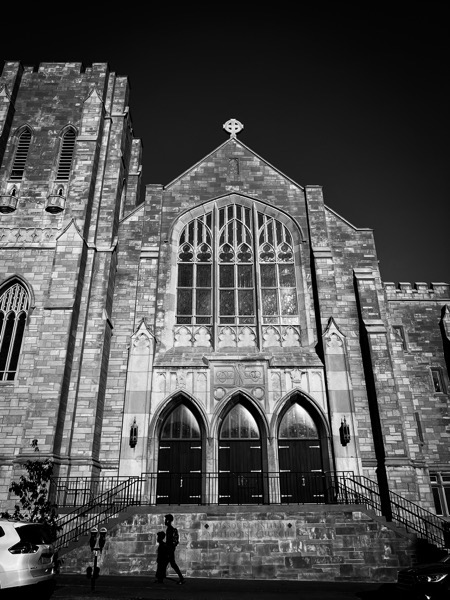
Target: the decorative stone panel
(249, 376)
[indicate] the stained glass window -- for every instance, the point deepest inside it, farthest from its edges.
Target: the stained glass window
(181, 424)
(239, 424)
(297, 424)
(236, 271)
(14, 302)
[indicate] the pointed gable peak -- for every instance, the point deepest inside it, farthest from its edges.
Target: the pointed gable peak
(93, 96)
(69, 232)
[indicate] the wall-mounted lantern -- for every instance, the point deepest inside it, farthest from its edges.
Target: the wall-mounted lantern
(133, 434)
(344, 432)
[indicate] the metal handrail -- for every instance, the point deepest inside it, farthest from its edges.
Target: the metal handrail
(98, 510)
(427, 525)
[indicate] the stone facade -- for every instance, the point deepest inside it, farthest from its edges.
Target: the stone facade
(117, 336)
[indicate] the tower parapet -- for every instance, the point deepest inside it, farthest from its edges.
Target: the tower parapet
(419, 290)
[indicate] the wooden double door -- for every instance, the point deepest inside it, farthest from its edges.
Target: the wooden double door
(240, 472)
(179, 472)
(180, 458)
(301, 473)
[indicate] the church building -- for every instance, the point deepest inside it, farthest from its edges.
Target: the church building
(226, 337)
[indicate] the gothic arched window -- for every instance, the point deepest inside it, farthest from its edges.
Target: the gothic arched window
(297, 424)
(66, 155)
(20, 157)
(236, 280)
(14, 303)
(239, 424)
(181, 425)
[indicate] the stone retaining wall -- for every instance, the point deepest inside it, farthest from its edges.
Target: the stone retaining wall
(314, 543)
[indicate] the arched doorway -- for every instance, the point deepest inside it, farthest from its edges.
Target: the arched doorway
(180, 459)
(240, 458)
(300, 457)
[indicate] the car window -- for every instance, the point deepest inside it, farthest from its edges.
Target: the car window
(2, 532)
(35, 534)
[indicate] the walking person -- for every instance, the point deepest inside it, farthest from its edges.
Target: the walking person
(162, 558)
(172, 540)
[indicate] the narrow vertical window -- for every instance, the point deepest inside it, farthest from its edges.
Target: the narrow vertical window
(438, 382)
(66, 155)
(440, 486)
(20, 158)
(400, 332)
(194, 304)
(14, 302)
(419, 427)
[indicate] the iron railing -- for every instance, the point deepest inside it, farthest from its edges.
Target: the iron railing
(205, 488)
(357, 489)
(77, 491)
(98, 510)
(95, 500)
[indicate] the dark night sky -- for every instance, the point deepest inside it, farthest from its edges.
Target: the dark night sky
(356, 103)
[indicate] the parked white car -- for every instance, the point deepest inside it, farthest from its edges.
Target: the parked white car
(26, 555)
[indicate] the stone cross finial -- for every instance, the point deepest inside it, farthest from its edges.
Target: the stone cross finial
(233, 126)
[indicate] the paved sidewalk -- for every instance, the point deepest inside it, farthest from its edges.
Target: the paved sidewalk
(78, 587)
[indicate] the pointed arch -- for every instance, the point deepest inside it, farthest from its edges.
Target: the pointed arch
(181, 452)
(172, 402)
(227, 404)
(14, 309)
(241, 452)
(302, 435)
(235, 254)
(308, 403)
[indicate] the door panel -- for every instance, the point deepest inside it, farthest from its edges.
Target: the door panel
(301, 473)
(179, 472)
(240, 472)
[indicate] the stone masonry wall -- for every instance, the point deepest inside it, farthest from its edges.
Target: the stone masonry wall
(333, 544)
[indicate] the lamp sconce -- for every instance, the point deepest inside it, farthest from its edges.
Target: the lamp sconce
(344, 432)
(133, 434)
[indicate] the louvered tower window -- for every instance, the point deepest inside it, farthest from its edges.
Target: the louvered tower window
(66, 155)
(14, 303)
(20, 157)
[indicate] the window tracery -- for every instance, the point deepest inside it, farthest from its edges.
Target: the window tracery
(14, 303)
(236, 281)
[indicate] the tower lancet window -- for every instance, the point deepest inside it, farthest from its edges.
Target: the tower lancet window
(66, 155)
(21, 155)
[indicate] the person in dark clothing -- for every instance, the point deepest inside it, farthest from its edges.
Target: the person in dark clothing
(172, 539)
(162, 557)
